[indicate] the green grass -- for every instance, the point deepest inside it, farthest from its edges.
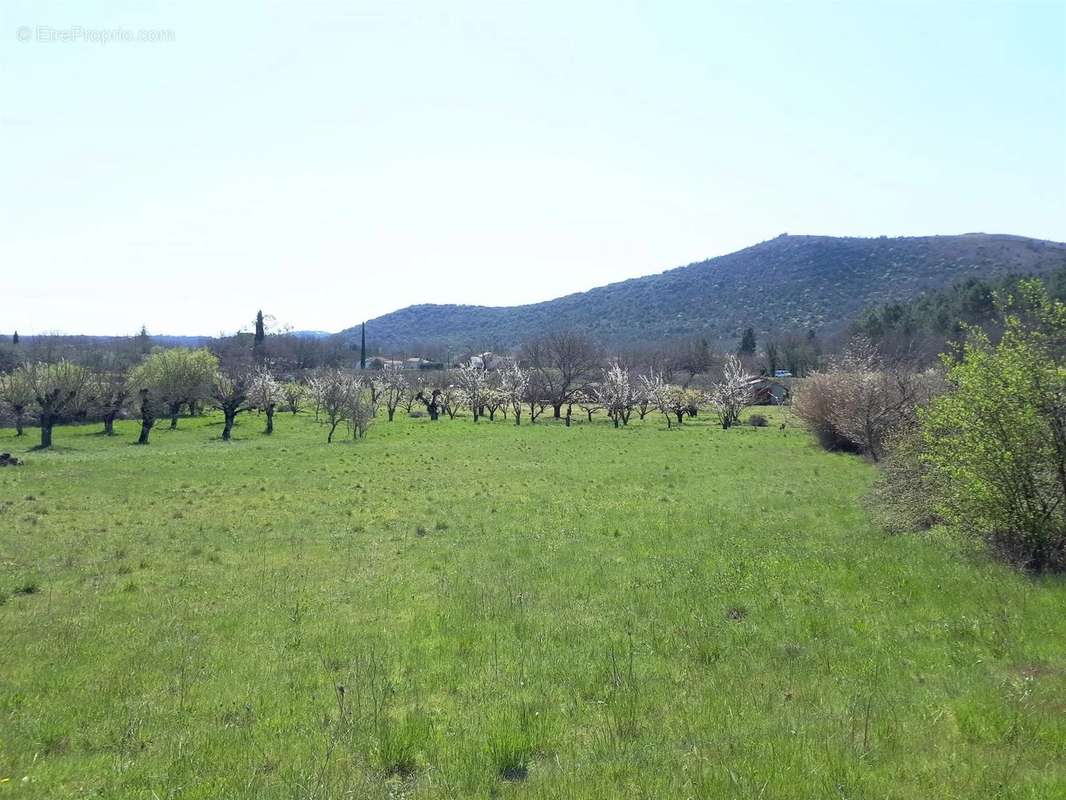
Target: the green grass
(448, 610)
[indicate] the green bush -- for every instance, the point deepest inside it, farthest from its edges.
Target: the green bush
(995, 442)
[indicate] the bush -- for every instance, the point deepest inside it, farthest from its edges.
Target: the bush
(995, 443)
(758, 421)
(861, 400)
(901, 498)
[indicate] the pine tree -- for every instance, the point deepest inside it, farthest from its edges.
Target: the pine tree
(362, 348)
(747, 343)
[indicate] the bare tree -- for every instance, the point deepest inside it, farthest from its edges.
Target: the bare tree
(563, 362)
(393, 389)
(332, 392)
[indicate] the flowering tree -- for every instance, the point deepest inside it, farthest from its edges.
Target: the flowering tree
(587, 402)
(732, 394)
(513, 383)
(474, 382)
(362, 408)
(266, 394)
(293, 394)
(615, 393)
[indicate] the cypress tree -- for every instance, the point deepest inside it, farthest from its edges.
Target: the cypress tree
(15, 338)
(747, 342)
(362, 348)
(260, 331)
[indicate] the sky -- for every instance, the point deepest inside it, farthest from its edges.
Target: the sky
(183, 164)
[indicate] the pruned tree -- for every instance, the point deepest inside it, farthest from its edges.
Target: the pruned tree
(229, 394)
(17, 397)
(431, 401)
(109, 394)
(60, 391)
(266, 394)
(732, 394)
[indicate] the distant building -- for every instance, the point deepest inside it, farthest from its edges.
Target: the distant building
(782, 373)
(769, 392)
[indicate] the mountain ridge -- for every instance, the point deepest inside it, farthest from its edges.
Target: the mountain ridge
(790, 282)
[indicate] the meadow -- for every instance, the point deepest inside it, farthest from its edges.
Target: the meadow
(450, 610)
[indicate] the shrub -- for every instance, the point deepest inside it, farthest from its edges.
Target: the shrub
(758, 421)
(995, 443)
(901, 498)
(861, 400)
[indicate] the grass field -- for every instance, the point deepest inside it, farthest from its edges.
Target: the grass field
(448, 610)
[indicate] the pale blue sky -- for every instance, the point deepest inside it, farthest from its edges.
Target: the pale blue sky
(332, 161)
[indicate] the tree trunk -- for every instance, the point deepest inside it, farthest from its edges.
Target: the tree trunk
(227, 428)
(680, 417)
(333, 427)
(433, 414)
(175, 409)
(557, 410)
(46, 431)
(18, 423)
(270, 419)
(109, 424)
(391, 411)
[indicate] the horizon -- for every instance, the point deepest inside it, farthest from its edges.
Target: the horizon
(334, 164)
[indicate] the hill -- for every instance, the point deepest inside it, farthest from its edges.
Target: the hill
(791, 282)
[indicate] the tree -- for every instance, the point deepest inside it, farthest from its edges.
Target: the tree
(143, 341)
(293, 394)
(59, 392)
(229, 394)
(266, 394)
(863, 398)
(362, 346)
(15, 339)
(615, 394)
(108, 393)
(995, 442)
(473, 381)
(432, 402)
(260, 329)
(747, 343)
(513, 384)
(332, 392)
(174, 378)
(563, 362)
(17, 396)
(732, 394)
(361, 410)
(692, 359)
(393, 389)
